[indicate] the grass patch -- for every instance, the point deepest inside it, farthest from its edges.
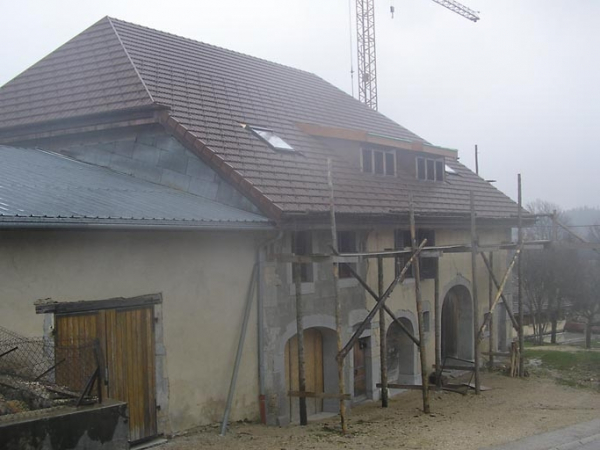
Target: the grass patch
(560, 360)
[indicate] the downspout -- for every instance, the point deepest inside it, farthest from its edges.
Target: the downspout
(260, 287)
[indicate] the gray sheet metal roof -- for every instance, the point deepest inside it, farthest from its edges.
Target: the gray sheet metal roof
(38, 186)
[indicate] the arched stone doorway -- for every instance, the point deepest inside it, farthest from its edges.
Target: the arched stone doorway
(457, 325)
(320, 348)
(400, 353)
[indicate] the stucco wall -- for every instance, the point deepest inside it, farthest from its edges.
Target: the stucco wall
(203, 277)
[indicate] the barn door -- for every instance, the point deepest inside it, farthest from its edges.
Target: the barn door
(127, 339)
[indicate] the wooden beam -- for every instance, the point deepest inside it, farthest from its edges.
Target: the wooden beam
(475, 324)
(385, 307)
(51, 307)
(382, 338)
(504, 300)
(520, 280)
(336, 298)
(498, 294)
(300, 340)
(491, 307)
(417, 274)
(319, 395)
(380, 303)
(437, 325)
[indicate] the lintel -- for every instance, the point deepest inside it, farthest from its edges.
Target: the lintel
(49, 306)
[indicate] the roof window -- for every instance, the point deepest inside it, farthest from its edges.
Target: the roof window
(450, 170)
(271, 138)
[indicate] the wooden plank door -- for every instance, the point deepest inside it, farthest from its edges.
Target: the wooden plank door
(131, 367)
(313, 359)
(126, 337)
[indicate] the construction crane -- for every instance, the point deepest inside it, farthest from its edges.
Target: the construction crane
(365, 34)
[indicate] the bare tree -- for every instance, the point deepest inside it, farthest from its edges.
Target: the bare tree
(586, 295)
(545, 274)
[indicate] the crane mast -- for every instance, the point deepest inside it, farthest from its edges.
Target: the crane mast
(365, 35)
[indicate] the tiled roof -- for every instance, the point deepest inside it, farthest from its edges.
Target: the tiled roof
(211, 91)
(38, 186)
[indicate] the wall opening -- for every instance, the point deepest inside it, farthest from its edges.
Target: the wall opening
(400, 353)
(457, 325)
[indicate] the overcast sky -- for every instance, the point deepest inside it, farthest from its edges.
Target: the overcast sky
(522, 83)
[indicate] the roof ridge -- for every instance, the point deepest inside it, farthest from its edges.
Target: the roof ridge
(130, 59)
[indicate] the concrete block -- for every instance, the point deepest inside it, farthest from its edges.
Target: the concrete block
(146, 153)
(174, 161)
(175, 180)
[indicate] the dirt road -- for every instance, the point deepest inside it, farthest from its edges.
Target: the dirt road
(513, 409)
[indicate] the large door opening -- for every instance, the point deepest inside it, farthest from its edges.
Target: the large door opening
(457, 326)
(400, 354)
(126, 336)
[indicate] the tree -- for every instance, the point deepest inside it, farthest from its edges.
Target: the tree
(546, 273)
(585, 295)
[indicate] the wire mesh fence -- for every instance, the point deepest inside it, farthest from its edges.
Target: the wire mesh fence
(42, 372)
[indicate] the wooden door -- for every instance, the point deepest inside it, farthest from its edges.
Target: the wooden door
(126, 337)
(313, 358)
(360, 367)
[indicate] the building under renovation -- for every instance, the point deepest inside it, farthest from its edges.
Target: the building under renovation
(154, 186)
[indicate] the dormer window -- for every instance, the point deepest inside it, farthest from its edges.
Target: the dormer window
(378, 161)
(430, 169)
(270, 138)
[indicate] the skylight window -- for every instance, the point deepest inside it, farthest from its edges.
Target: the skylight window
(271, 138)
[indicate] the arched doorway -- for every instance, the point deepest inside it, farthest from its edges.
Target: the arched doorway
(320, 348)
(400, 353)
(457, 325)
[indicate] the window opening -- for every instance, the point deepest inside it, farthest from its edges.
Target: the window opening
(427, 266)
(302, 245)
(346, 244)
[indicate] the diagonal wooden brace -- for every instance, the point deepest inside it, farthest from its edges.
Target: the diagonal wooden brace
(385, 307)
(499, 294)
(380, 303)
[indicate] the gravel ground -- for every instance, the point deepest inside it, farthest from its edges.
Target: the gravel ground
(513, 409)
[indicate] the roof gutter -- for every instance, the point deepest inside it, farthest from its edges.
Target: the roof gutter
(74, 224)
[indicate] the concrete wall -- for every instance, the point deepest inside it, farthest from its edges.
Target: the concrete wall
(151, 154)
(98, 427)
(203, 278)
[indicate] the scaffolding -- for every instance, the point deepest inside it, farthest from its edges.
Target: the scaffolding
(415, 251)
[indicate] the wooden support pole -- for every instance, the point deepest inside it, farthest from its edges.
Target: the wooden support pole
(498, 294)
(520, 282)
(504, 300)
(385, 307)
(300, 340)
(491, 308)
(422, 348)
(380, 304)
(437, 326)
(336, 295)
(382, 338)
(474, 242)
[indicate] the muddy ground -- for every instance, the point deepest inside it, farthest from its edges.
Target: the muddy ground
(512, 409)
